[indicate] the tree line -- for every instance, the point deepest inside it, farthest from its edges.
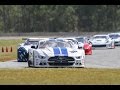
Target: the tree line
(59, 18)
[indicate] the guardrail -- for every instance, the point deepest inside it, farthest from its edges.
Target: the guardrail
(52, 34)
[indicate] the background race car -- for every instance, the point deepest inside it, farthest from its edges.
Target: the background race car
(74, 42)
(102, 40)
(83, 41)
(22, 50)
(115, 37)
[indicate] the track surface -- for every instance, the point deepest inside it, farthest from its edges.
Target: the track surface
(101, 58)
(104, 58)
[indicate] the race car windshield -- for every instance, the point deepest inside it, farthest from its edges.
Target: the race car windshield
(114, 36)
(80, 40)
(100, 37)
(74, 41)
(55, 44)
(31, 43)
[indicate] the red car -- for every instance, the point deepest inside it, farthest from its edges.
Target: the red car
(86, 45)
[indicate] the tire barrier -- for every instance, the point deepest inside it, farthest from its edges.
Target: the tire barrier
(7, 49)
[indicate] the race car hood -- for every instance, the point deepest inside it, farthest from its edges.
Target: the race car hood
(57, 51)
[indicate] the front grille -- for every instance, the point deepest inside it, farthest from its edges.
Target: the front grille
(61, 64)
(66, 58)
(61, 60)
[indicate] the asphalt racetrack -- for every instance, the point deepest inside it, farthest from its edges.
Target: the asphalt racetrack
(101, 58)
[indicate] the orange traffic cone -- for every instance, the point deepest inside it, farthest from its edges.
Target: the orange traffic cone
(6, 49)
(2, 49)
(11, 49)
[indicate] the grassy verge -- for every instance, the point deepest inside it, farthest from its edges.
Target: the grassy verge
(60, 76)
(4, 56)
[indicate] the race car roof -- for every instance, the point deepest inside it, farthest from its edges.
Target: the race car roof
(33, 39)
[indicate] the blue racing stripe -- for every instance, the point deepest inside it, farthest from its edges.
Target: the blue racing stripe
(56, 51)
(64, 51)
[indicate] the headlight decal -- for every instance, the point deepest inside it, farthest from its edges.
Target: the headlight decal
(41, 57)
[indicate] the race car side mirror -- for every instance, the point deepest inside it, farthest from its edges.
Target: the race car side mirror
(33, 47)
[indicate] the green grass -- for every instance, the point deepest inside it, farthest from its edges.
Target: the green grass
(5, 56)
(60, 76)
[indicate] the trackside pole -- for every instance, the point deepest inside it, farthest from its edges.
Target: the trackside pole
(2, 49)
(11, 49)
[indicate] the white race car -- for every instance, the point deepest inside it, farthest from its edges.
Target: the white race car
(76, 44)
(55, 53)
(22, 49)
(115, 37)
(102, 40)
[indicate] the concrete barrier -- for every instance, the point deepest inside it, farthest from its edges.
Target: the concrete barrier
(52, 34)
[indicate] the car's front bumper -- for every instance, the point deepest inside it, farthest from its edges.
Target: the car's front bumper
(57, 63)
